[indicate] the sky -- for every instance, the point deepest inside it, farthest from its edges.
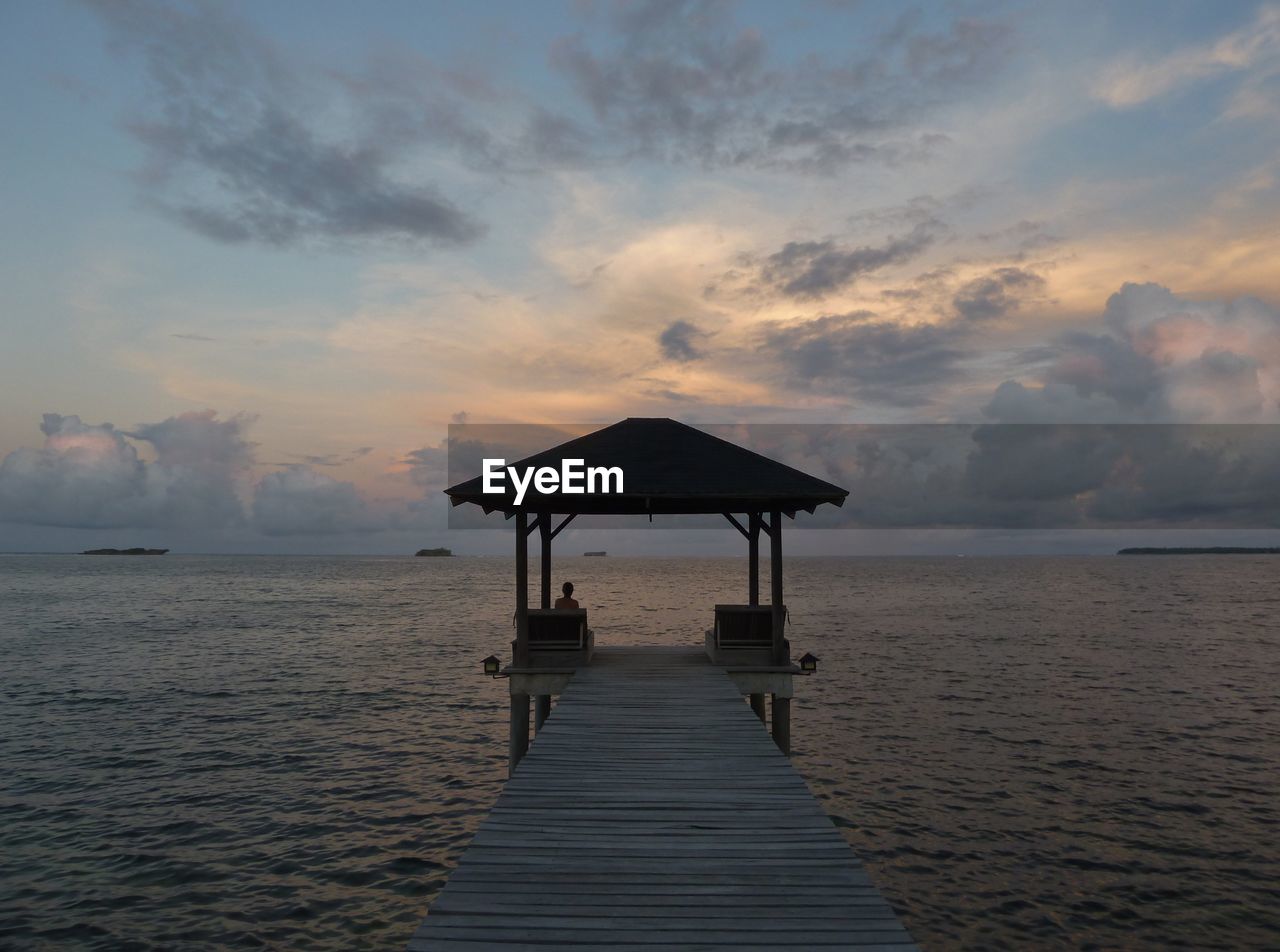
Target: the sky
(255, 258)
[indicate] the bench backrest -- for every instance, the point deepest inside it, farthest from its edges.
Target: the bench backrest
(557, 628)
(744, 626)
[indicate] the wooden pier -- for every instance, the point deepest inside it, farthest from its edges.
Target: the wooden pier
(653, 811)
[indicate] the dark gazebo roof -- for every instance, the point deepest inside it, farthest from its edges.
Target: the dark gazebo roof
(669, 467)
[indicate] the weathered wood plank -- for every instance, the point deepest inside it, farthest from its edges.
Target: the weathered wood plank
(804, 938)
(759, 905)
(476, 945)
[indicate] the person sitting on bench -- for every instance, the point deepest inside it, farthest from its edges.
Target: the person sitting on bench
(567, 600)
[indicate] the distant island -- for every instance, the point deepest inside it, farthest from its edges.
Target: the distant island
(124, 551)
(434, 553)
(1206, 550)
(600, 554)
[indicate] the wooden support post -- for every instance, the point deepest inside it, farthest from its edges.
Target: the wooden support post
(544, 532)
(753, 559)
(519, 742)
(522, 597)
(757, 705)
(775, 577)
(782, 723)
(541, 711)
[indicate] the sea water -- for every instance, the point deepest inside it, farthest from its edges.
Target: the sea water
(291, 753)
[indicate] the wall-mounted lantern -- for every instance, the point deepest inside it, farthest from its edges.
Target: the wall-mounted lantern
(492, 665)
(808, 664)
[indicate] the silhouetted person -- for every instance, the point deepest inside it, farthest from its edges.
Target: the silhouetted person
(567, 600)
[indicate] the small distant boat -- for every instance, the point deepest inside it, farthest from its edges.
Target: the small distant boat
(124, 551)
(598, 555)
(439, 553)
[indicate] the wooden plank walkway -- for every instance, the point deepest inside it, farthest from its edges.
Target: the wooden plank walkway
(654, 812)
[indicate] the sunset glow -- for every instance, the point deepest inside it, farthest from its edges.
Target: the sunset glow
(254, 270)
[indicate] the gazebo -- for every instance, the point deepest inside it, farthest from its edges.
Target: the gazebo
(669, 468)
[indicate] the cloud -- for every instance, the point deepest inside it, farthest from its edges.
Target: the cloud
(811, 269)
(243, 145)
(246, 143)
(685, 82)
(198, 460)
(892, 356)
(429, 466)
(861, 355)
(337, 459)
(679, 341)
(557, 141)
(1132, 82)
(1160, 357)
(975, 475)
(297, 500)
(85, 475)
(90, 475)
(996, 295)
(199, 440)
(1036, 476)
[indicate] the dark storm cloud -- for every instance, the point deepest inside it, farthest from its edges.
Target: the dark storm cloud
(685, 81)
(811, 269)
(236, 151)
(679, 341)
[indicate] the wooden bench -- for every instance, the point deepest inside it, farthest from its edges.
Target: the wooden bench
(743, 634)
(559, 637)
(558, 629)
(744, 626)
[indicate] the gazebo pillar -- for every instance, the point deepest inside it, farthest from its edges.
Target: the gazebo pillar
(753, 590)
(522, 590)
(775, 579)
(542, 702)
(782, 723)
(544, 535)
(518, 743)
(781, 705)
